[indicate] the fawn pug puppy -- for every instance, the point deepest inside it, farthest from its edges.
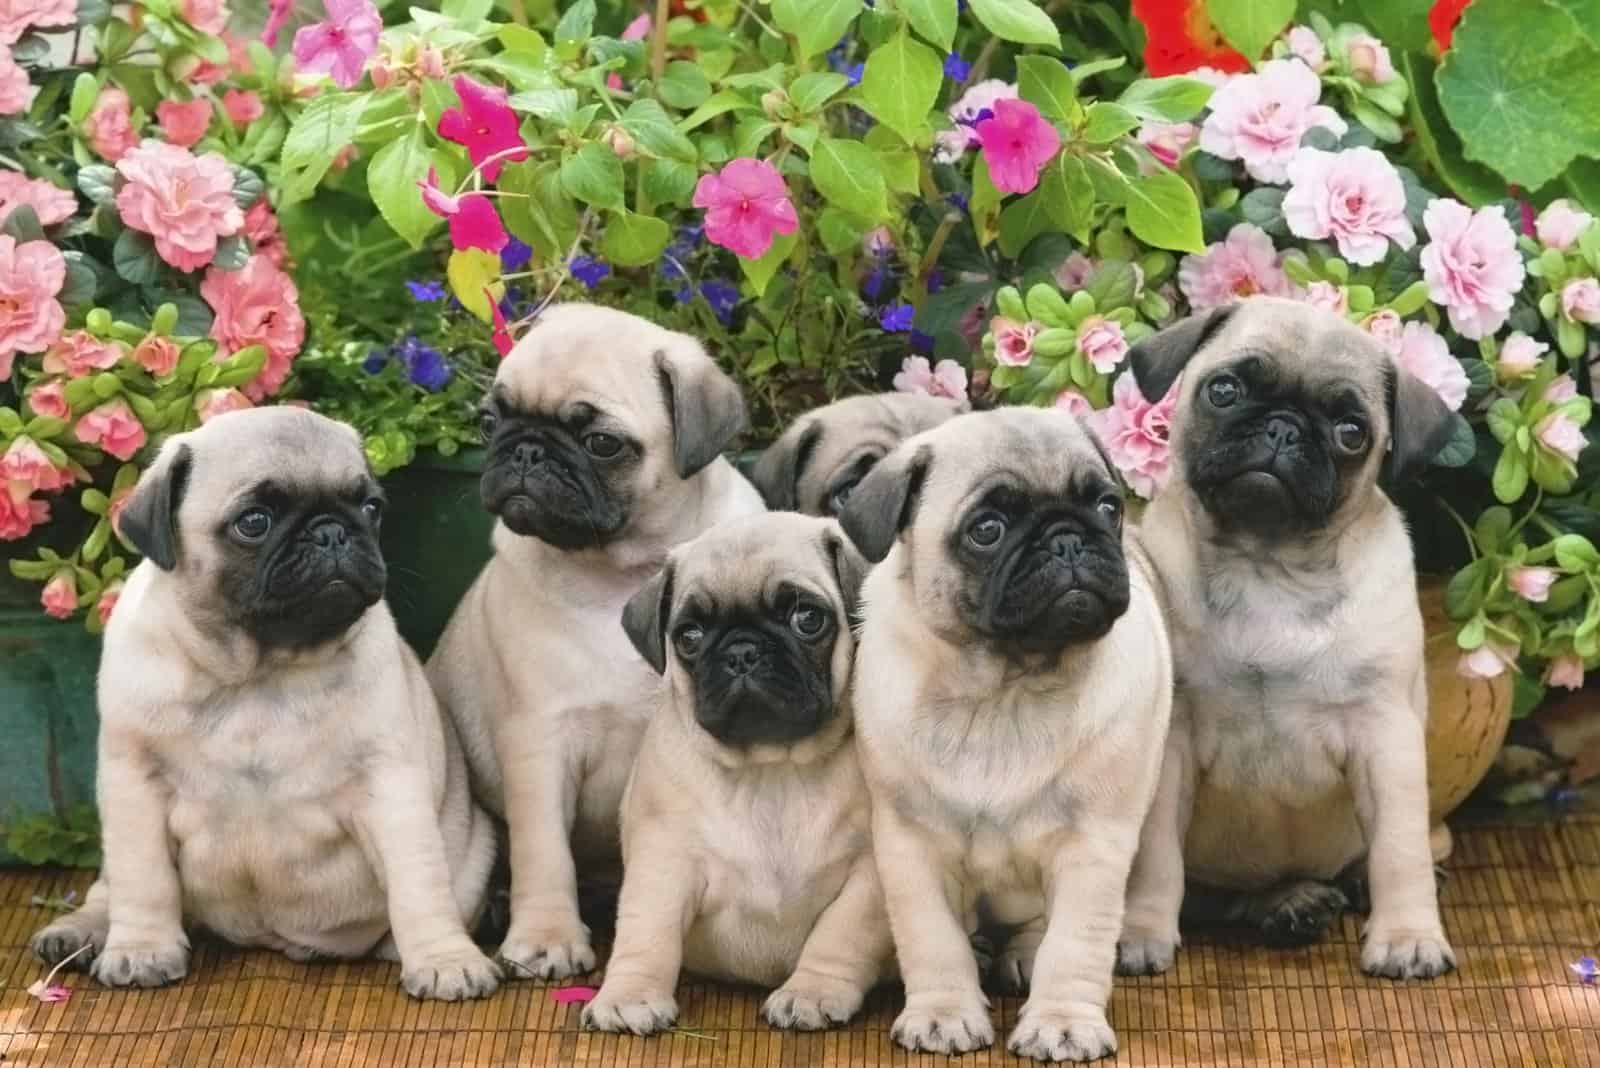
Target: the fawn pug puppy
(1297, 735)
(822, 457)
(272, 764)
(745, 825)
(605, 435)
(1012, 691)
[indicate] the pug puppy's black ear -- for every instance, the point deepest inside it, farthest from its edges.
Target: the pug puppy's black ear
(645, 618)
(1420, 423)
(1158, 360)
(705, 406)
(149, 521)
(777, 474)
(850, 570)
(885, 500)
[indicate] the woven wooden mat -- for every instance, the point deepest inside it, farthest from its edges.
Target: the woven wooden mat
(1521, 904)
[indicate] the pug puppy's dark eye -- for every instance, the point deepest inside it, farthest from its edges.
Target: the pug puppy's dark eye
(836, 501)
(1110, 507)
(987, 530)
(487, 422)
(807, 620)
(372, 508)
(1351, 435)
(603, 446)
(1224, 391)
(688, 639)
(253, 525)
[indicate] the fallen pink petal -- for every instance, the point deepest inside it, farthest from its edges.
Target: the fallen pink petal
(573, 995)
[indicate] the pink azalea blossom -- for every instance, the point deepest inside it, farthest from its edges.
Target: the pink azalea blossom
(1425, 354)
(1260, 118)
(1013, 341)
(1520, 355)
(261, 227)
(242, 106)
(109, 126)
(1074, 403)
(1561, 389)
(746, 204)
(1307, 47)
(49, 398)
(1074, 271)
(1387, 327)
(182, 200)
(24, 461)
(1102, 342)
(1242, 265)
(210, 403)
(1565, 671)
(1328, 297)
(1531, 583)
(16, 90)
(1135, 433)
(157, 355)
(1580, 300)
(18, 16)
(257, 305)
(341, 46)
(1489, 660)
(278, 12)
(50, 203)
(1471, 265)
(184, 124)
(60, 596)
(974, 105)
(20, 512)
(1017, 143)
(207, 16)
(1369, 60)
(108, 601)
(1560, 225)
(1167, 141)
(1559, 434)
(80, 353)
(948, 379)
(1354, 197)
(113, 427)
(486, 125)
(31, 274)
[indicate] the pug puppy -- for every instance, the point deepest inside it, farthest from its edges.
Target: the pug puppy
(1013, 683)
(1297, 737)
(819, 461)
(605, 435)
(745, 827)
(272, 764)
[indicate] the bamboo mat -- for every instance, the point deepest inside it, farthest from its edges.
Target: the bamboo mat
(1520, 905)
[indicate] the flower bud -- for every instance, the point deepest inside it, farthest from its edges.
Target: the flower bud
(98, 322)
(776, 104)
(164, 320)
(430, 62)
(620, 141)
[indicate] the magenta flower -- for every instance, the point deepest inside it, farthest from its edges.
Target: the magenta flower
(948, 379)
(1531, 583)
(1354, 197)
(745, 206)
(1260, 118)
(1013, 341)
(1471, 265)
(1017, 143)
(1242, 265)
(503, 342)
(974, 105)
(1426, 355)
(473, 221)
(278, 12)
(341, 46)
(1135, 433)
(486, 125)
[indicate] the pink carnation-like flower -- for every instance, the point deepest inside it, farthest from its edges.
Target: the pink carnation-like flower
(1244, 264)
(210, 403)
(60, 595)
(1387, 327)
(16, 90)
(1074, 403)
(49, 398)
(1560, 225)
(1580, 300)
(1013, 341)
(1369, 59)
(109, 126)
(746, 204)
(18, 16)
(113, 427)
(108, 601)
(974, 105)
(80, 353)
(1489, 660)
(1074, 271)
(1520, 355)
(1167, 141)
(184, 123)
(261, 227)
(1307, 47)
(1017, 143)
(1565, 671)
(1471, 265)
(487, 126)
(1135, 433)
(157, 355)
(1354, 197)
(24, 461)
(20, 512)
(1260, 118)
(1102, 342)
(1328, 297)
(1425, 354)
(257, 305)
(207, 16)
(182, 200)
(1559, 434)
(31, 274)
(50, 203)
(242, 106)
(341, 46)
(948, 379)
(1531, 583)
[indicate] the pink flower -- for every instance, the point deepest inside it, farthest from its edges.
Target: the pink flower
(878, 242)
(1074, 271)
(182, 200)
(1520, 355)
(1487, 661)
(503, 341)
(156, 355)
(1074, 403)
(1307, 47)
(17, 16)
(1101, 340)
(109, 126)
(1135, 434)
(49, 398)
(1354, 197)
(341, 46)
(1561, 389)
(948, 379)
(1328, 297)
(108, 601)
(278, 12)
(257, 305)
(19, 512)
(1561, 224)
(745, 206)
(1242, 265)
(473, 221)
(31, 274)
(184, 124)
(1167, 141)
(25, 462)
(113, 427)
(60, 596)
(638, 29)
(207, 16)
(975, 105)
(210, 403)
(1260, 118)
(1425, 354)
(576, 995)
(16, 90)
(429, 62)
(80, 353)
(1558, 433)
(1386, 326)
(1565, 671)
(1013, 341)
(1017, 143)
(261, 227)
(243, 107)
(1369, 59)
(1471, 265)
(486, 125)
(1531, 583)
(1580, 300)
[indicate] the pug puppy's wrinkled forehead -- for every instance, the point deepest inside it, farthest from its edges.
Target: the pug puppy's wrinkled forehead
(288, 444)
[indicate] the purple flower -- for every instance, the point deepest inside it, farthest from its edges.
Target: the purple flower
(935, 281)
(921, 342)
(376, 361)
(897, 318)
(957, 200)
(875, 282)
(589, 271)
(956, 68)
(425, 365)
(853, 73)
(515, 255)
(426, 290)
(722, 297)
(1587, 969)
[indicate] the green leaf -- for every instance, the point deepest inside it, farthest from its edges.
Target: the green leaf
(1045, 83)
(323, 130)
(232, 253)
(840, 231)
(810, 91)
(1108, 122)
(552, 104)
(134, 257)
(760, 271)
(634, 240)
(82, 282)
(98, 183)
(247, 186)
(22, 223)
(720, 104)
(901, 83)
(1250, 25)
(85, 89)
(522, 41)
(684, 85)
(1068, 196)
(1400, 24)
(1460, 447)
(1021, 221)
(847, 174)
(934, 20)
(652, 130)
(1163, 211)
(467, 10)
(593, 175)
(1017, 20)
(1171, 99)
(1463, 597)
(1510, 476)
(816, 25)
(668, 181)
(577, 23)
(392, 182)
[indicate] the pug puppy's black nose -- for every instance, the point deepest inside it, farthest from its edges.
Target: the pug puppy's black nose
(1281, 431)
(1066, 545)
(328, 533)
(528, 455)
(740, 658)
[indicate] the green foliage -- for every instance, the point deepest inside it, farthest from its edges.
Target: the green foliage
(41, 839)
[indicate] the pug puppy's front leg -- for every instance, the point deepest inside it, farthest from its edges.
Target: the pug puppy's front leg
(1404, 936)
(661, 892)
(1150, 939)
(840, 960)
(69, 935)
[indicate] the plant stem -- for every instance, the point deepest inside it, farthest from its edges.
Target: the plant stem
(658, 41)
(519, 13)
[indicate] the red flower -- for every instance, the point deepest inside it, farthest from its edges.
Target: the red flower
(486, 125)
(502, 333)
(1179, 37)
(1442, 19)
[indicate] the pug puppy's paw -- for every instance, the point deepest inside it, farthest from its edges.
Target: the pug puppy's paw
(454, 974)
(811, 1003)
(68, 936)
(142, 964)
(636, 1010)
(1062, 1034)
(1296, 914)
(1141, 952)
(558, 952)
(945, 1022)
(1401, 953)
